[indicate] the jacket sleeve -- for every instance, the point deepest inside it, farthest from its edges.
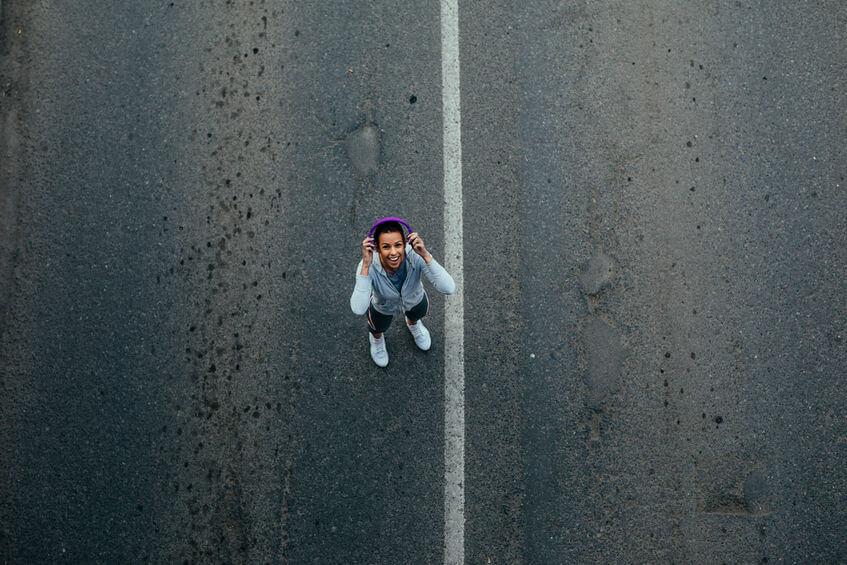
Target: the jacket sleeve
(439, 277)
(361, 298)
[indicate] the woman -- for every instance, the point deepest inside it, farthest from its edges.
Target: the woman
(392, 284)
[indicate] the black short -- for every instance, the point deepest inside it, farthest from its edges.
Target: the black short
(378, 323)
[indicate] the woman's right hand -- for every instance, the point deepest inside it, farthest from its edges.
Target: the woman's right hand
(367, 251)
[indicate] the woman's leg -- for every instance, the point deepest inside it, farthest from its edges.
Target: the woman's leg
(419, 311)
(377, 322)
(419, 331)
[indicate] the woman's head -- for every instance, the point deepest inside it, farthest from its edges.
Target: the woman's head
(390, 243)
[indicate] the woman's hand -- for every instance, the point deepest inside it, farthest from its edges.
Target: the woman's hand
(417, 244)
(367, 252)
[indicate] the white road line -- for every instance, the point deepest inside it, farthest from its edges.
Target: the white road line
(454, 314)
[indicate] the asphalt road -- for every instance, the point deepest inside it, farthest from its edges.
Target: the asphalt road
(654, 243)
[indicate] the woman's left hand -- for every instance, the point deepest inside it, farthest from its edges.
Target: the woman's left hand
(417, 244)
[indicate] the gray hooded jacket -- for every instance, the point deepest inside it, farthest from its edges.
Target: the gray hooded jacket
(386, 299)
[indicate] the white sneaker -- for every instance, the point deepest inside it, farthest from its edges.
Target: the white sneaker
(378, 352)
(421, 335)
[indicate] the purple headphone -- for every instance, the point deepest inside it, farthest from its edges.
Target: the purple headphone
(389, 219)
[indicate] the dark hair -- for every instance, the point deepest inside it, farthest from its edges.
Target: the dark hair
(387, 227)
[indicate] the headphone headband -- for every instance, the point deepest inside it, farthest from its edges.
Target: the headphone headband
(388, 219)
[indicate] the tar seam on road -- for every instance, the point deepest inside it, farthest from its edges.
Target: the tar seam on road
(454, 314)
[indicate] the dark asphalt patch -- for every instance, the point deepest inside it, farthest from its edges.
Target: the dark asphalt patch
(597, 274)
(605, 354)
(363, 149)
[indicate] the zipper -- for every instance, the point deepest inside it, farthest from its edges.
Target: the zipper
(394, 288)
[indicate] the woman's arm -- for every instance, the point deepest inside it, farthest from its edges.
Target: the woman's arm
(361, 298)
(435, 273)
(439, 277)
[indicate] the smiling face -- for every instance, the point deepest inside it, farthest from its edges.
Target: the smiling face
(392, 249)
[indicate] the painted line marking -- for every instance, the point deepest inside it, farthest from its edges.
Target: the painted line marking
(454, 312)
